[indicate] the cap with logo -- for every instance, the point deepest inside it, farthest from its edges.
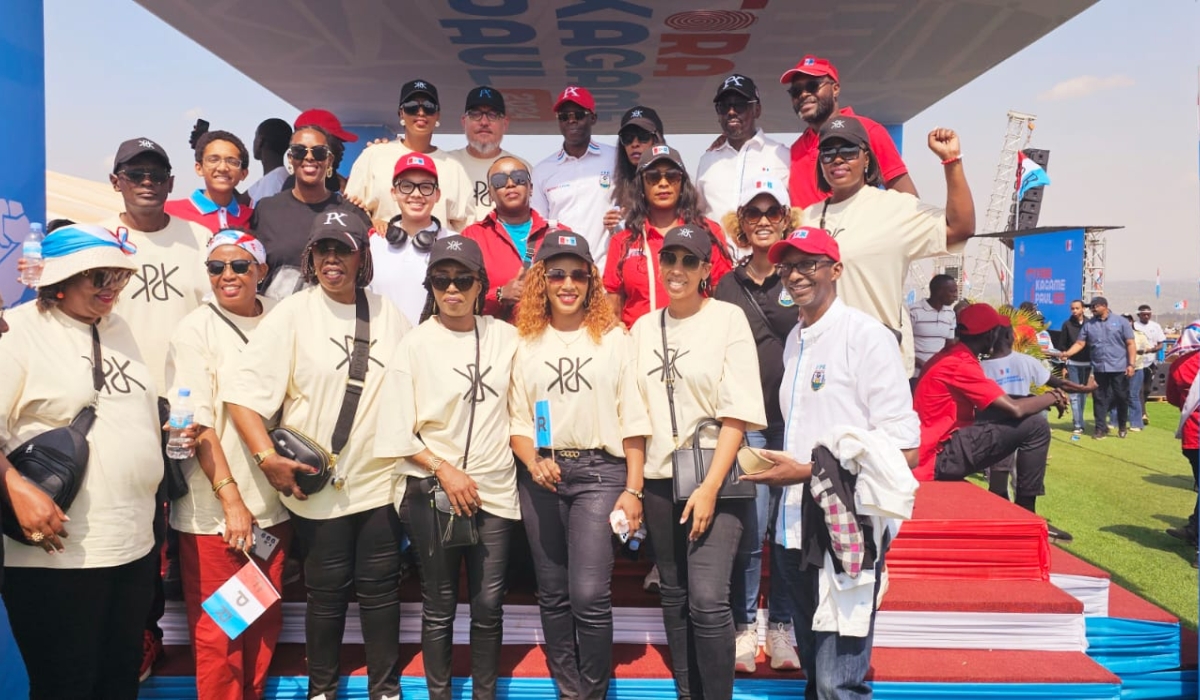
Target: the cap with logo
(1097, 301)
(343, 224)
(977, 319)
(577, 95)
(739, 84)
(414, 161)
(659, 153)
(459, 249)
(415, 87)
(695, 241)
(133, 148)
(327, 121)
(847, 129)
(564, 242)
(643, 118)
(806, 239)
(810, 65)
(765, 184)
(485, 96)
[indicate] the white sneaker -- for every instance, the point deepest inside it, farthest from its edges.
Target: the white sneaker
(746, 650)
(780, 649)
(652, 583)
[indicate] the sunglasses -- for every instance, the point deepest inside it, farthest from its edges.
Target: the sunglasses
(477, 115)
(573, 114)
(107, 277)
(140, 175)
(300, 152)
(812, 87)
(671, 175)
(773, 214)
(557, 274)
(407, 187)
(217, 267)
(461, 282)
(846, 153)
(519, 178)
(633, 133)
(689, 261)
(739, 106)
(805, 267)
(333, 248)
(215, 160)
(413, 107)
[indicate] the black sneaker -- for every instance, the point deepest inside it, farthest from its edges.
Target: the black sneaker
(1057, 535)
(1181, 533)
(1122, 433)
(1099, 434)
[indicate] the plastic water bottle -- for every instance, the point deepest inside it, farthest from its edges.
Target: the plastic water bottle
(31, 251)
(182, 414)
(636, 539)
(620, 524)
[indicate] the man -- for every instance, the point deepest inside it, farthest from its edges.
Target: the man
(814, 89)
(933, 319)
(271, 140)
(221, 162)
(484, 123)
(1149, 357)
(572, 188)
(842, 370)
(953, 387)
(1113, 354)
(1079, 367)
(744, 155)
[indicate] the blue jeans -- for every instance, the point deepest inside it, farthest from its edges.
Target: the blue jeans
(747, 568)
(1079, 375)
(1135, 400)
(14, 681)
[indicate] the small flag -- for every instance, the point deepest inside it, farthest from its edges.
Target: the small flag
(1029, 175)
(1181, 305)
(542, 416)
(241, 600)
(1157, 284)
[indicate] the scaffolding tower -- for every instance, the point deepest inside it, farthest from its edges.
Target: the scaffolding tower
(1095, 244)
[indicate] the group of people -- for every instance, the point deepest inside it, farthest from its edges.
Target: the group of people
(598, 288)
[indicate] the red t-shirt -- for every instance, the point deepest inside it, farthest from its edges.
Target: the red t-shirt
(625, 270)
(1179, 382)
(202, 210)
(802, 179)
(952, 387)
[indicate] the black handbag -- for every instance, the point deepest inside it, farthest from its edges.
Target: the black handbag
(454, 530)
(299, 447)
(56, 461)
(690, 465)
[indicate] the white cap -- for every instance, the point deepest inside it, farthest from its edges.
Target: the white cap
(764, 184)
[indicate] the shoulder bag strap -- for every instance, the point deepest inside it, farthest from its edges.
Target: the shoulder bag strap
(754, 304)
(227, 320)
(668, 373)
(97, 366)
(358, 371)
(471, 420)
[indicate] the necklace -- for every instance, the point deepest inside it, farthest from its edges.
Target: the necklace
(567, 343)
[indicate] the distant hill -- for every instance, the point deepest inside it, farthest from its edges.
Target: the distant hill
(1124, 296)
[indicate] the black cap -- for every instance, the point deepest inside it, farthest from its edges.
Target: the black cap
(344, 224)
(690, 239)
(485, 96)
(644, 118)
(133, 148)
(657, 153)
(1101, 301)
(459, 249)
(740, 84)
(414, 87)
(564, 242)
(847, 129)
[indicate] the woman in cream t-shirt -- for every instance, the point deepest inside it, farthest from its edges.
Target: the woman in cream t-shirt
(447, 399)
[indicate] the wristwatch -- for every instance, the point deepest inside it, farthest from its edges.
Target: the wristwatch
(640, 495)
(260, 457)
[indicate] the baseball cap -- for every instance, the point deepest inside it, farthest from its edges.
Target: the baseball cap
(578, 95)
(459, 249)
(343, 224)
(810, 65)
(847, 129)
(485, 96)
(564, 242)
(1097, 301)
(642, 117)
(327, 121)
(414, 87)
(740, 84)
(414, 161)
(977, 319)
(691, 240)
(765, 184)
(128, 150)
(660, 152)
(806, 239)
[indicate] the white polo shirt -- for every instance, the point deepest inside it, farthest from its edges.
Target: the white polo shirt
(844, 370)
(724, 171)
(1154, 332)
(931, 328)
(576, 193)
(400, 273)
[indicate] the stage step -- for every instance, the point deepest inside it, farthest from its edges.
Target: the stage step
(1088, 584)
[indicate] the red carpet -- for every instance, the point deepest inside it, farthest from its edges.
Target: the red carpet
(979, 596)
(1063, 562)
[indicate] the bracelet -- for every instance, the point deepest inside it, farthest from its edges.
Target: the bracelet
(640, 495)
(499, 295)
(435, 463)
(955, 159)
(222, 484)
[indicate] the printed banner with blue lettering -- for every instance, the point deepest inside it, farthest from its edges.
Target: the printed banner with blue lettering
(1048, 270)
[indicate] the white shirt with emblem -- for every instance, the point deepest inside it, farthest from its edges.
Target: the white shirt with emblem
(724, 171)
(577, 192)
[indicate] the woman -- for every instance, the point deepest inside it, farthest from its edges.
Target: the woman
(667, 199)
(88, 602)
(640, 130)
(338, 138)
(216, 534)
(299, 360)
(1183, 392)
(573, 357)
(763, 218)
(707, 369)
(881, 232)
(449, 392)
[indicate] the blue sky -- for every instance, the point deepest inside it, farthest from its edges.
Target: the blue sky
(1114, 90)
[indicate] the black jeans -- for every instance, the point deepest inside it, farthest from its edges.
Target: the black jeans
(695, 590)
(80, 630)
(486, 563)
(1112, 392)
(360, 552)
(977, 447)
(572, 546)
(1193, 458)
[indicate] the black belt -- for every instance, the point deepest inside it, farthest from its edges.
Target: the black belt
(579, 454)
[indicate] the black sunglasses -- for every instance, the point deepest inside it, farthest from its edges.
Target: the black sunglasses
(804, 267)
(671, 175)
(298, 151)
(689, 261)
(140, 175)
(333, 248)
(557, 274)
(846, 153)
(739, 106)
(812, 87)
(413, 107)
(217, 267)
(519, 178)
(774, 214)
(407, 187)
(632, 133)
(107, 277)
(576, 114)
(461, 282)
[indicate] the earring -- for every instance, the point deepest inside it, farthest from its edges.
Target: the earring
(329, 173)
(59, 295)
(437, 123)
(704, 286)
(287, 165)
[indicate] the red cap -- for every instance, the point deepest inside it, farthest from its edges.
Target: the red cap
(578, 95)
(810, 65)
(414, 161)
(978, 319)
(324, 119)
(814, 241)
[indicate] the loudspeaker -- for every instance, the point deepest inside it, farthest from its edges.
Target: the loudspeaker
(1158, 380)
(1040, 156)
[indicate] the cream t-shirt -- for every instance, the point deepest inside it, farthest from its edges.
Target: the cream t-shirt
(432, 381)
(47, 380)
(477, 173)
(170, 281)
(592, 389)
(714, 361)
(202, 345)
(371, 181)
(299, 358)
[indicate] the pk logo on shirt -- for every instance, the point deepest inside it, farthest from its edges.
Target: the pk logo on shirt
(570, 375)
(668, 368)
(116, 376)
(347, 347)
(478, 389)
(156, 283)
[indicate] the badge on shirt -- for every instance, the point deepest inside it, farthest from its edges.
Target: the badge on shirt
(605, 179)
(785, 299)
(818, 377)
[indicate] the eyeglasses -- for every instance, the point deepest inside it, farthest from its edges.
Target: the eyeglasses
(689, 261)
(413, 107)
(140, 175)
(812, 87)
(461, 282)
(773, 214)
(632, 133)
(217, 267)
(519, 178)
(107, 277)
(407, 187)
(215, 160)
(671, 175)
(476, 115)
(739, 106)
(333, 248)
(298, 151)
(559, 275)
(573, 115)
(846, 153)
(805, 267)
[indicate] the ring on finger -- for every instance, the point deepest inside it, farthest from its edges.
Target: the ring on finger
(36, 536)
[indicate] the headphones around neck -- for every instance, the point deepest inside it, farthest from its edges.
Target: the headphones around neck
(422, 240)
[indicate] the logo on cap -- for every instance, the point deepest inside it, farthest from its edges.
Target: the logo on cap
(809, 61)
(416, 160)
(635, 113)
(660, 151)
(454, 245)
(571, 91)
(837, 124)
(802, 233)
(484, 92)
(146, 143)
(338, 216)
(566, 240)
(419, 84)
(733, 80)
(684, 233)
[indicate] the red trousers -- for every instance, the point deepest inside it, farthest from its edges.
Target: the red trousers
(229, 669)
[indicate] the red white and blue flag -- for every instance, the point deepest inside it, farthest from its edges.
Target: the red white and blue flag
(1029, 175)
(241, 600)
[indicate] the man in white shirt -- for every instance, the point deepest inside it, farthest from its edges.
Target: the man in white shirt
(743, 154)
(933, 319)
(573, 188)
(1154, 333)
(271, 140)
(842, 368)
(484, 123)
